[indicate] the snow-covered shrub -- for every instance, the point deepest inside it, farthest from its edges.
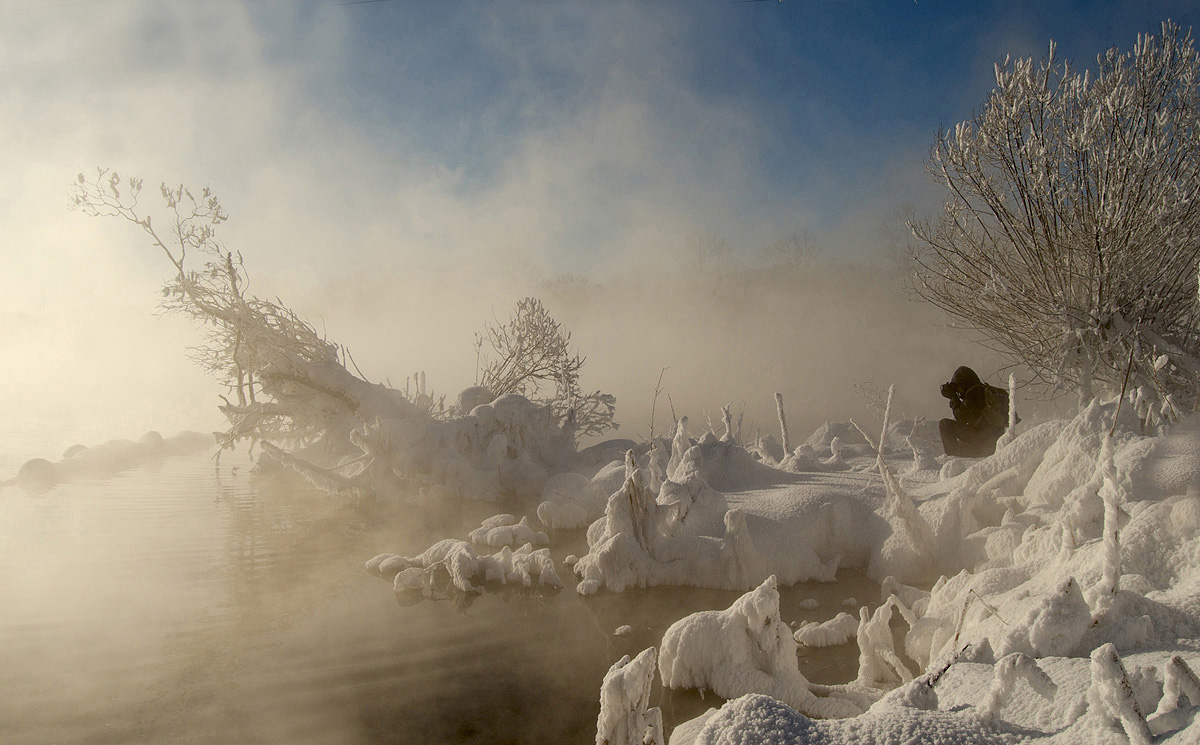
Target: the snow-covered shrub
(532, 356)
(1069, 233)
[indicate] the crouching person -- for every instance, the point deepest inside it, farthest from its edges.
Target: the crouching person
(980, 415)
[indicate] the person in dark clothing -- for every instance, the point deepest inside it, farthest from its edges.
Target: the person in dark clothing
(980, 415)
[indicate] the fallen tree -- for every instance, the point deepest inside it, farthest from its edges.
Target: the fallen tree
(290, 391)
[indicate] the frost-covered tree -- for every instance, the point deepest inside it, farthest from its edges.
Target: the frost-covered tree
(292, 392)
(1070, 236)
(531, 355)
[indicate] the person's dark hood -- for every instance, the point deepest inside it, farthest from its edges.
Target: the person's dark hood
(965, 378)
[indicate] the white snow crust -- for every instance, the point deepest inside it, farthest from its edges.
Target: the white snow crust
(1049, 592)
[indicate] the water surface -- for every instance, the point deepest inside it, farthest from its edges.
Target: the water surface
(190, 603)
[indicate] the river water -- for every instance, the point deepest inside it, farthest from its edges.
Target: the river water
(188, 602)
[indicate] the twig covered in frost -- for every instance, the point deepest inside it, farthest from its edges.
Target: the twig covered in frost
(899, 505)
(1011, 432)
(1008, 671)
(1179, 682)
(654, 402)
(679, 446)
(1111, 696)
(787, 442)
(1113, 492)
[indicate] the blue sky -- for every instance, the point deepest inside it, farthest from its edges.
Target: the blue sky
(824, 109)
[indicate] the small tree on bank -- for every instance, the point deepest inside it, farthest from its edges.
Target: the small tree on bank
(532, 356)
(1071, 233)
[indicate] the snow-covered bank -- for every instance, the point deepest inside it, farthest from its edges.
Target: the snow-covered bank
(1065, 599)
(108, 459)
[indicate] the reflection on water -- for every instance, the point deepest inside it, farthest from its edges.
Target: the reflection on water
(187, 603)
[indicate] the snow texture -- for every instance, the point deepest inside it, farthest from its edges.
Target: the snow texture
(1076, 544)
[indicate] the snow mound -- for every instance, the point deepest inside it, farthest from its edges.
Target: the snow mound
(836, 631)
(505, 530)
(744, 649)
(765, 721)
(672, 538)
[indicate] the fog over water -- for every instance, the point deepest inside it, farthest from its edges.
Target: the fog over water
(401, 174)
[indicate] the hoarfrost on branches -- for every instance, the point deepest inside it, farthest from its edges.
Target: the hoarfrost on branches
(1070, 236)
(533, 357)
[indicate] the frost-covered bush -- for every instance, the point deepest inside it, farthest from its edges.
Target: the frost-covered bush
(1071, 234)
(532, 356)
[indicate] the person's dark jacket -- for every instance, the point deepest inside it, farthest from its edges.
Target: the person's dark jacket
(968, 396)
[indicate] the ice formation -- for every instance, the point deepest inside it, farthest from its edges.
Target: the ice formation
(626, 717)
(838, 630)
(452, 562)
(744, 649)
(1009, 670)
(505, 530)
